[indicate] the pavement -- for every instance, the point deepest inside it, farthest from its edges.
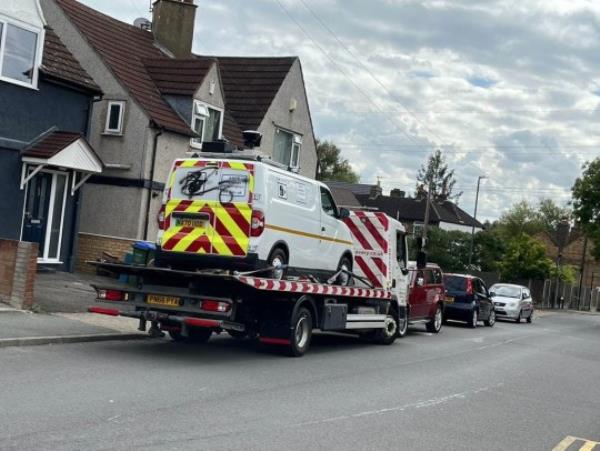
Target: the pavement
(513, 386)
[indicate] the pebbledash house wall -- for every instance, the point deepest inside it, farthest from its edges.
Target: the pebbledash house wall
(113, 206)
(26, 114)
(299, 121)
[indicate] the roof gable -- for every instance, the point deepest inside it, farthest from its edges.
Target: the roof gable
(250, 84)
(178, 76)
(123, 48)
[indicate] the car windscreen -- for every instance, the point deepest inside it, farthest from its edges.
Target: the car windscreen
(455, 284)
(506, 291)
(212, 184)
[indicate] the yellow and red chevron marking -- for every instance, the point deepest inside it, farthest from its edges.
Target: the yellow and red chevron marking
(227, 231)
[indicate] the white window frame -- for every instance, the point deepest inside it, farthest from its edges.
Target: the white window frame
(55, 174)
(37, 60)
(198, 104)
(114, 131)
(296, 146)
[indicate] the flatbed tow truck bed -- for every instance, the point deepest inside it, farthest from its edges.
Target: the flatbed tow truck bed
(191, 305)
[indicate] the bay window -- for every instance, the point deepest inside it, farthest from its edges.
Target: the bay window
(19, 53)
(286, 148)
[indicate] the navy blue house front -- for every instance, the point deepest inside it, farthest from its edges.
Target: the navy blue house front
(45, 105)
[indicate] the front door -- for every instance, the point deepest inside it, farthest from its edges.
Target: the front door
(43, 214)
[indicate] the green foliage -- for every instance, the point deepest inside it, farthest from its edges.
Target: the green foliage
(550, 215)
(566, 273)
(522, 218)
(586, 202)
(332, 167)
(435, 173)
(449, 249)
(525, 258)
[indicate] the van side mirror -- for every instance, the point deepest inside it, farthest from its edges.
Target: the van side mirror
(344, 213)
(421, 259)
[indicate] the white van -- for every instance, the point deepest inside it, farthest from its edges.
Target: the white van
(247, 213)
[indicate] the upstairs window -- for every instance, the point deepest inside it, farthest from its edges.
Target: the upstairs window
(18, 53)
(207, 122)
(114, 117)
(286, 149)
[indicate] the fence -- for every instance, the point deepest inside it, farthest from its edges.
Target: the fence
(562, 295)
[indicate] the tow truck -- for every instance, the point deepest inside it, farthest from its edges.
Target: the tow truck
(193, 305)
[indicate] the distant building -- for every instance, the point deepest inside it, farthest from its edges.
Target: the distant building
(45, 158)
(411, 212)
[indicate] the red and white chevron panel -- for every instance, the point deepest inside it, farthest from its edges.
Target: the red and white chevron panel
(313, 288)
(369, 233)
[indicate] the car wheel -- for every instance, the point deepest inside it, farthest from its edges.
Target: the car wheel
(491, 320)
(403, 326)
(301, 332)
(474, 319)
(344, 279)
(518, 320)
(435, 324)
(530, 317)
(277, 260)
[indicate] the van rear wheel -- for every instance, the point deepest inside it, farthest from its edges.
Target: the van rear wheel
(277, 260)
(344, 279)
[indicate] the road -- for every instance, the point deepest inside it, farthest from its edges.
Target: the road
(513, 386)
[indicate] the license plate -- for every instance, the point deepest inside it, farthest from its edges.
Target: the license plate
(189, 222)
(169, 301)
(449, 299)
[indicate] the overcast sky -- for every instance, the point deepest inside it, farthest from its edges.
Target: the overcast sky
(507, 89)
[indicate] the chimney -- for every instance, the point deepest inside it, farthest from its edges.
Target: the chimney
(173, 25)
(397, 193)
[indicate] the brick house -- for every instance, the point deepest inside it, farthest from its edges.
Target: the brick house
(45, 157)
(161, 101)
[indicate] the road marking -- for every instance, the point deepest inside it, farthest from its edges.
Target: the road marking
(566, 442)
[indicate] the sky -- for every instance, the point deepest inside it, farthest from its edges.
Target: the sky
(509, 90)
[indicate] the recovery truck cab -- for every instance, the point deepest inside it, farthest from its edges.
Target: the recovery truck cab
(364, 253)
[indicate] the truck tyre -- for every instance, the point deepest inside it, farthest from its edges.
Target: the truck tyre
(300, 332)
(435, 324)
(276, 259)
(344, 279)
(403, 326)
(387, 335)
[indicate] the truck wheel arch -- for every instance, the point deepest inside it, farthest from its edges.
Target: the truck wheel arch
(309, 303)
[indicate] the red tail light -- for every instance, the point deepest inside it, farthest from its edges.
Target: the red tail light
(113, 295)
(469, 286)
(161, 218)
(257, 223)
(215, 306)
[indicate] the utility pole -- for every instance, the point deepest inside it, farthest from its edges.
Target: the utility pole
(474, 217)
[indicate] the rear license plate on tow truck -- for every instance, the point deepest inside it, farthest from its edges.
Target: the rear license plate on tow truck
(169, 301)
(190, 222)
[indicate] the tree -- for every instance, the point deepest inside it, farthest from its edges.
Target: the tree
(551, 214)
(586, 202)
(332, 167)
(522, 218)
(525, 258)
(436, 173)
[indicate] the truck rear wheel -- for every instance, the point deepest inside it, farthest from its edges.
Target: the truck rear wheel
(301, 332)
(388, 334)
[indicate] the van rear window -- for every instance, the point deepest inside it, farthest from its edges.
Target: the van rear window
(211, 183)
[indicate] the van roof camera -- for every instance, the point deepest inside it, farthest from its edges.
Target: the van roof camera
(252, 139)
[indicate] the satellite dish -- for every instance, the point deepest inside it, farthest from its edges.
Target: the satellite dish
(142, 23)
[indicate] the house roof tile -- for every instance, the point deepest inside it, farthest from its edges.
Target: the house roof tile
(250, 85)
(123, 48)
(50, 144)
(178, 76)
(59, 63)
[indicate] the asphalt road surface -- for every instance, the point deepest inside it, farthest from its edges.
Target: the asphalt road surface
(514, 386)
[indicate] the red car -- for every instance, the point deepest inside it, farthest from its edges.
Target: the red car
(426, 296)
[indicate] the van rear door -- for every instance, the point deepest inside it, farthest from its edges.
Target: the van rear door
(209, 207)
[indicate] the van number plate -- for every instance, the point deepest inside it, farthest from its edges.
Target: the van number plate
(169, 301)
(449, 299)
(189, 222)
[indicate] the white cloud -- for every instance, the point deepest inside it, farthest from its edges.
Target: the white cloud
(507, 89)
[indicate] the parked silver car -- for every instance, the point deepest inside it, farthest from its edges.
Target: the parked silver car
(512, 301)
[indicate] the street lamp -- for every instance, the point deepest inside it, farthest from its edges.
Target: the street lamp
(475, 217)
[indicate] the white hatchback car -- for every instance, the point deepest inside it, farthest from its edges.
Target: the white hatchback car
(512, 301)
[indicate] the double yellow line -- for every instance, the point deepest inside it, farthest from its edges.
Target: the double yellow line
(587, 445)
